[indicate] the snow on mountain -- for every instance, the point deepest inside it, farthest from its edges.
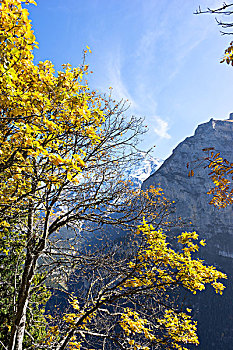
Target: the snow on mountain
(143, 168)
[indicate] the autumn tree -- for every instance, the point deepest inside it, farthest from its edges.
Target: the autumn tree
(122, 297)
(221, 174)
(64, 150)
(224, 11)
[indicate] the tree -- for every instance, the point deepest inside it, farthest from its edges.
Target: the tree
(221, 171)
(224, 10)
(52, 128)
(64, 150)
(122, 295)
(221, 175)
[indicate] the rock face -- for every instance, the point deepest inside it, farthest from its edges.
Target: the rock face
(215, 225)
(190, 193)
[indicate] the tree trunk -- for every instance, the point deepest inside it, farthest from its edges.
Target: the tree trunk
(17, 334)
(18, 328)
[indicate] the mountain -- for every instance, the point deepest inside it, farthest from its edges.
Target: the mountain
(141, 169)
(215, 225)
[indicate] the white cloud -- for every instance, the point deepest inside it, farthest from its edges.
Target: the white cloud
(162, 128)
(120, 91)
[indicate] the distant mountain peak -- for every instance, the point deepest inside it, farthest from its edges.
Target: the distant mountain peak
(142, 168)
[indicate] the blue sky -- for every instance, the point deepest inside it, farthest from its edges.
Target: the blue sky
(155, 53)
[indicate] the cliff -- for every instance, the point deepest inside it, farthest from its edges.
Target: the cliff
(215, 225)
(190, 193)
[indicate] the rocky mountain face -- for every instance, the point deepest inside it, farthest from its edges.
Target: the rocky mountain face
(215, 225)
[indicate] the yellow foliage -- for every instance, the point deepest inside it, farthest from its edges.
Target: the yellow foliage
(160, 265)
(179, 328)
(228, 56)
(132, 323)
(221, 176)
(156, 267)
(221, 171)
(41, 111)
